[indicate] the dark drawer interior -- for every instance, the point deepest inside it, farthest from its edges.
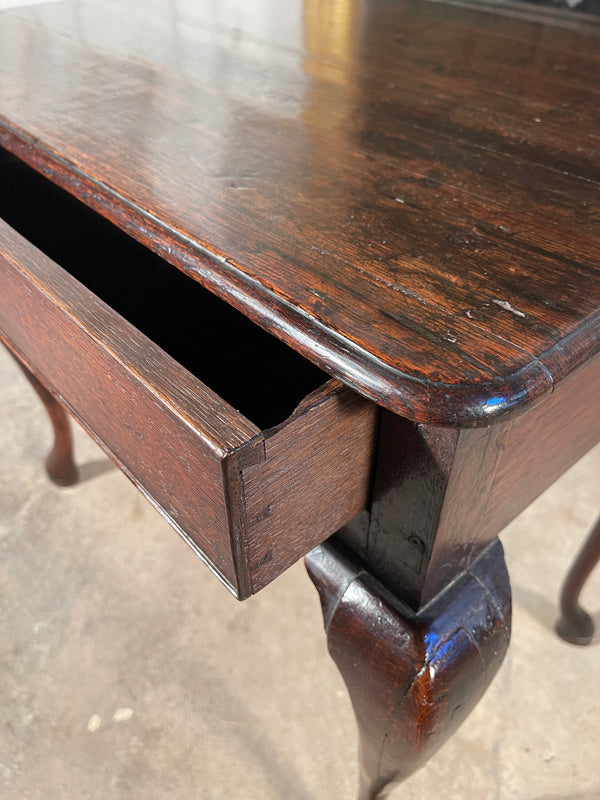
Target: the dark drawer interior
(254, 372)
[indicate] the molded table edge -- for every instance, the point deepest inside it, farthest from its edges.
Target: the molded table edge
(449, 405)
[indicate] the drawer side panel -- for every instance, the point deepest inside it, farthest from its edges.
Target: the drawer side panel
(160, 452)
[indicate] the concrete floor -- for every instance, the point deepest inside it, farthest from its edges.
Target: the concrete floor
(127, 671)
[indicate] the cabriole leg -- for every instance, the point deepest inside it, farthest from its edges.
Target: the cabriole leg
(59, 461)
(412, 677)
(574, 624)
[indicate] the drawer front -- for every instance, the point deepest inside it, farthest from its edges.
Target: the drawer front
(250, 502)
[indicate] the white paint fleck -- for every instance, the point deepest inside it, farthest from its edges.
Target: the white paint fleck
(469, 314)
(94, 723)
(449, 337)
(122, 714)
(399, 200)
(537, 119)
(507, 307)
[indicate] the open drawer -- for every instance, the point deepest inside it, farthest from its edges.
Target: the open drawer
(125, 341)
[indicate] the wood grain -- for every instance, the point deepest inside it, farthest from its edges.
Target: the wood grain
(316, 476)
(167, 306)
(164, 430)
(405, 195)
(412, 678)
(440, 495)
(185, 447)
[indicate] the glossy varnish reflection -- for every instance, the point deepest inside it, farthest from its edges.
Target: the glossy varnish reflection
(412, 208)
(403, 191)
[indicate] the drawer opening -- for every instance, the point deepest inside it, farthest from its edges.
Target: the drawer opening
(249, 368)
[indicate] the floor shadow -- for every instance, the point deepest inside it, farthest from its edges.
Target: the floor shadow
(93, 469)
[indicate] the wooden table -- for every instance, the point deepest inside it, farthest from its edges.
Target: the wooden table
(320, 268)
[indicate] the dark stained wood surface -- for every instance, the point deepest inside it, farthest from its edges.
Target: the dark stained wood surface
(170, 308)
(235, 493)
(60, 466)
(575, 625)
(413, 678)
(170, 440)
(441, 495)
(316, 476)
(406, 192)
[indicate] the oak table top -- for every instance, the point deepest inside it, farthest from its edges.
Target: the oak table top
(403, 191)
